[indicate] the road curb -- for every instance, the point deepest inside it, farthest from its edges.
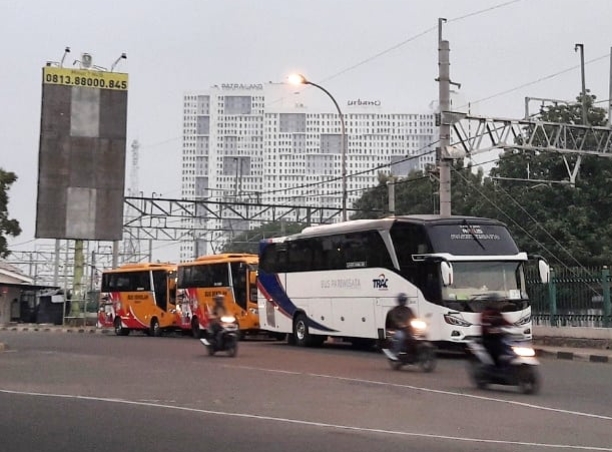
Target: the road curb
(55, 329)
(573, 356)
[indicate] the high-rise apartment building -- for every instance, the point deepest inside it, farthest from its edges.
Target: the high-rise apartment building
(264, 142)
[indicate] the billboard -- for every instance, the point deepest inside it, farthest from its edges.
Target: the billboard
(81, 158)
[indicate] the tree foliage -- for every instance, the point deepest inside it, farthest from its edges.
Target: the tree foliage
(8, 226)
(568, 224)
(248, 241)
(418, 193)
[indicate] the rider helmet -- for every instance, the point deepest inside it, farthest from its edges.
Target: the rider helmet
(402, 299)
(219, 299)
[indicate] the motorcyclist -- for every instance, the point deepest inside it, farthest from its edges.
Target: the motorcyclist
(398, 319)
(493, 333)
(214, 318)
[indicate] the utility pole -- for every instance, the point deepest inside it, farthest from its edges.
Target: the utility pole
(585, 120)
(444, 163)
(77, 281)
(610, 93)
(391, 188)
(57, 263)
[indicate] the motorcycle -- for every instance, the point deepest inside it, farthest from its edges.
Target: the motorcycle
(424, 354)
(226, 340)
(517, 368)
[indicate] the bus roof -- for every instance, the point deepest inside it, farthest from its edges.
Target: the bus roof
(143, 266)
(224, 257)
(383, 224)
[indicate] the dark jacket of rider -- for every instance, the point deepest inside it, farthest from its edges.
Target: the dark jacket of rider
(398, 319)
(493, 333)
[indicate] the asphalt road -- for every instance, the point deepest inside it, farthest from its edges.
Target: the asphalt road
(68, 392)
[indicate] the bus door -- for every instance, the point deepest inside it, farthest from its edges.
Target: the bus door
(160, 287)
(240, 284)
(252, 288)
(140, 295)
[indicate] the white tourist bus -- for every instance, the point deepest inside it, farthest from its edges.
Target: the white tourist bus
(340, 280)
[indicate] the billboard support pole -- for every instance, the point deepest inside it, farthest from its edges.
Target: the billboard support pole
(77, 282)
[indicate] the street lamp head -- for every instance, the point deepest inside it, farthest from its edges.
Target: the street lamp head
(297, 79)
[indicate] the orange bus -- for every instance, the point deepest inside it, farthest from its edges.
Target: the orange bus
(232, 275)
(140, 297)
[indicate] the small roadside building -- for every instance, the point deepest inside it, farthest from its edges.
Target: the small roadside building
(18, 295)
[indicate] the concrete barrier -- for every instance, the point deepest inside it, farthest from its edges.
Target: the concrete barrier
(573, 332)
(599, 338)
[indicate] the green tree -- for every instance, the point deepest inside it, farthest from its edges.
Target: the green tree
(565, 223)
(248, 241)
(8, 227)
(418, 193)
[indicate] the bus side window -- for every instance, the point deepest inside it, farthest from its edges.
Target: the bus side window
(336, 253)
(319, 261)
(253, 286)
(300, 256)
(268, 258)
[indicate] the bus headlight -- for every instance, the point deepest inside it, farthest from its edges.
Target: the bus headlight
(254, 311)
(523, 321)
(456, 321)
(228, 319)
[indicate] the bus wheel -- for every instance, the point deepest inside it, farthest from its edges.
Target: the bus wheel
(155, 330)
(119, 330)
(300, 331)
(195, 328)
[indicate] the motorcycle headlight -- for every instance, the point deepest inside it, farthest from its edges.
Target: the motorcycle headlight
(228, 319)
(524, 351)
(418, 325)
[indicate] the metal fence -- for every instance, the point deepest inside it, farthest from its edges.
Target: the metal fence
(573, 297)
(82, 311)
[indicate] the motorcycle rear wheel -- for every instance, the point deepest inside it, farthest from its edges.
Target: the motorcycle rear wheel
(395, 365)
(232, 350)
(427, 360)
(476, 373)
(528, 380)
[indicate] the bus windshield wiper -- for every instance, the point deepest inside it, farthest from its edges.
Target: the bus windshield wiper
(471, 231)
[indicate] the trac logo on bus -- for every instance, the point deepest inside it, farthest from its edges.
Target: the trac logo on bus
(380, 282)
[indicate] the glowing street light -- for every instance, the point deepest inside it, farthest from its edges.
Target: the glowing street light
(299, 79)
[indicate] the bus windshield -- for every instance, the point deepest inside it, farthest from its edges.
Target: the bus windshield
(477, 284)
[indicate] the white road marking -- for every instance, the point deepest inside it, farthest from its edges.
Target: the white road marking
(434, 391)
(311, 423)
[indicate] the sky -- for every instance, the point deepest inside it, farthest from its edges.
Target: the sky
(501, 52)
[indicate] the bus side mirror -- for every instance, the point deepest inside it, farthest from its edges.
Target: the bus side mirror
(544, 270)
(446, 268)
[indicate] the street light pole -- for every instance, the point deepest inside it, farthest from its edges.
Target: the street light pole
(301, 80)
